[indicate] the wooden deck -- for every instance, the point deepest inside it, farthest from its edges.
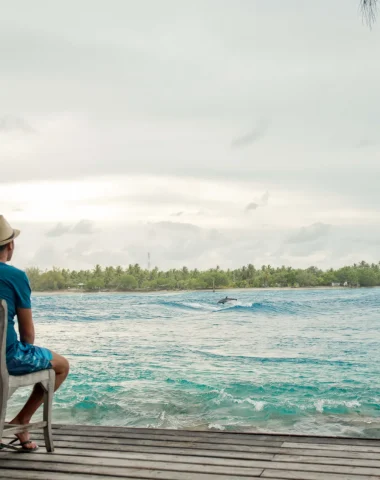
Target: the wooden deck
(94, 453)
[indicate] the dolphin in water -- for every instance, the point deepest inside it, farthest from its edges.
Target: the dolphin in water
(227, 299)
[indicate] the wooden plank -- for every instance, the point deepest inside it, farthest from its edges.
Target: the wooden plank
(89, 457)
(39, 475)
(20, 474)
(152, 444)
(230, 454)
(138, 471)
(320, 446)
(129, 441)
(278, 437)
(206, 460)
(132, 453)
(327, 460)
(321, 468)
(103, 453)
(334, 441)
(286, 474)
(137, 441)
(204, 449)
(76, 436)
(254, 467)
(249, 453)
(51, 460)
(147, 432)
(335, 457)
(326, 453)
(239, 462)
(83, 429)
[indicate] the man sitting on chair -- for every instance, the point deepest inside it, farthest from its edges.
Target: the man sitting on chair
(22, 355)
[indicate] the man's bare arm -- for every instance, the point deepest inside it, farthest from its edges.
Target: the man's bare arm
(25, 325)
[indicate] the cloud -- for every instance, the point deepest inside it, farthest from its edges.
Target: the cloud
(261, 202)
(83, 227)
(176, 214)
(176, 226)
(160, 194)
(265, 199)
(58, 230)
(195, 130)
(251, 206)
(303, 249)
(251, 137)
(90, 257)
(175, 244)
(48, 256)
(310, 233)
(10, 123)
(365, 142)
(180, 115)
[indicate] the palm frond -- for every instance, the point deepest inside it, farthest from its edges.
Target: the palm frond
(369, 11)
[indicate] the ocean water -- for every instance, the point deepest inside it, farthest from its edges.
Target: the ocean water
(301, 361)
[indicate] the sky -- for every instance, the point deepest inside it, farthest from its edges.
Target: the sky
(211, 132)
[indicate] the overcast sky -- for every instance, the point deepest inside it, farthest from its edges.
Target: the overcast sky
(210, 132)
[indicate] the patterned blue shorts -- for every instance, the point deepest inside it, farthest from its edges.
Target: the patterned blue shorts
(29, 358)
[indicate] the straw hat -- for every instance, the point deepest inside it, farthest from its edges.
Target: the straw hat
(7, 233)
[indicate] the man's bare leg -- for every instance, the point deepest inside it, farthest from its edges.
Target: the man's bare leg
(61, 367)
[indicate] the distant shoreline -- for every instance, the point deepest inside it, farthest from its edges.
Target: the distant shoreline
(76, 291)
(136, 279)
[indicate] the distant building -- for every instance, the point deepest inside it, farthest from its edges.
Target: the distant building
(335, 284)
(80, 285)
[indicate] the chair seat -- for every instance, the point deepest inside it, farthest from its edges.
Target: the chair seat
(28, 379)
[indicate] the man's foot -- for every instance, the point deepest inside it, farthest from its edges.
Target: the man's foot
(24, 437)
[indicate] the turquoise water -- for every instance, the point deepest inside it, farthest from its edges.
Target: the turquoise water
(305, 361)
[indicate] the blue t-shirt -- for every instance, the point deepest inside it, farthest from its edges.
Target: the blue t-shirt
(15, 290)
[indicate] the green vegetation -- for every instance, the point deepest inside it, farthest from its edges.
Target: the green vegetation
(136, 278)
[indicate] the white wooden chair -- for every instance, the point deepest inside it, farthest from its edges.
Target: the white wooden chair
(9, 384)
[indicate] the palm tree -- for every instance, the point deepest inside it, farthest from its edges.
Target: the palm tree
(369, 10)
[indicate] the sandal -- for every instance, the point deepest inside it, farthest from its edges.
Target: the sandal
(21, 448)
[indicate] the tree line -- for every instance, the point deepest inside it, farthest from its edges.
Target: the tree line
(136, 278)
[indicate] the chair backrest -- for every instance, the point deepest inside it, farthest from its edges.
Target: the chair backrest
(3, 343)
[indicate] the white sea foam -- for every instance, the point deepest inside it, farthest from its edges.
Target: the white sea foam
(223, 395)
(216, 426)
(258, 404)
(200, 306)
(320, 404)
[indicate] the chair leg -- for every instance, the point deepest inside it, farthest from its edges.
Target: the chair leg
(47, 414)
(3, 406)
